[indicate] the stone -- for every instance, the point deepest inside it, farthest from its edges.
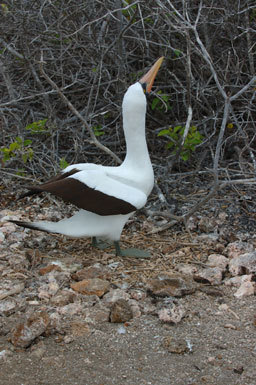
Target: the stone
(176, 345)
(79, 328)
(186, 269)
(120, 311)
(212, 275)
(171, 285)
(173, 314)
(63, 298)
(94, 271)
(93, 286)
(238, 280)
(49, 268)
(7, 307)
(136, 312)
(25, 333)
(218, 260)
(207, 225)
(137, 294)
(235, 249)
(243, 264)
(98, 313)
(114, 295)
(246, 289)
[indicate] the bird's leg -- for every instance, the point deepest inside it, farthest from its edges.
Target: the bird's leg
(99, 244)
(132, 252)
(94, 241)
(118, 249)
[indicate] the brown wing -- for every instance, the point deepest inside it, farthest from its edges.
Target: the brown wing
(73, 191)
(33, 190)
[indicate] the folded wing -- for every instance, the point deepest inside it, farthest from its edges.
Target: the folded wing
(94, 191)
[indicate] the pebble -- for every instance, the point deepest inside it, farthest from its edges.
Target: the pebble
(25, 333)
(212, 275)
(173, 314)
(218, 260)
(93, 286)
(120, 311)
(243, 264)
(114, 295)
(235, 249)
(94, 271)
(246, 289)
(171, 285)
(175, 345)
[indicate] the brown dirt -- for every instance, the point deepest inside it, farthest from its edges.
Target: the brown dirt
(220, 340)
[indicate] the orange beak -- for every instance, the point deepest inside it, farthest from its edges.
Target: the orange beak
(151, 74)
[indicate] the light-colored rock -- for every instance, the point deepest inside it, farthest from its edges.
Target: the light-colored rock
(235, 249)
(243, 264)
(5, 355)
(7, 307)
(25, 333)
(192, 223)
(71, 309)
(186, 269)
(138, 294)
(246, 289)
(218, 260)
(136, 312)
(213, 275)
(173, 314)
(91, 286)
(238, 280)
(2, 236)
(49, 289)
(114, 295)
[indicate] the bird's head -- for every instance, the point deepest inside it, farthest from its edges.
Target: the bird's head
(135, 99)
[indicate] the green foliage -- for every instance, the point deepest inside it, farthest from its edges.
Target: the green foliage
(38, 127)
(128, 13)
(98, 130)
(19, 149)
(175, 135)
(63, 163)
(161, 103)
(177, 52)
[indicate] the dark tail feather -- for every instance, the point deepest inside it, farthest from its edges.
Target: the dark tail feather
(33, 190)
(29, 193)
(27, 225)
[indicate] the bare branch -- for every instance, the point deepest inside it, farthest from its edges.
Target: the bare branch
(79, 116)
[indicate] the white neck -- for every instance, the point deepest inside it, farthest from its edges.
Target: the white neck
(136, 146)
(136, 165)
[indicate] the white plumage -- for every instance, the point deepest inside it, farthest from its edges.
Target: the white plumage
(118, 191)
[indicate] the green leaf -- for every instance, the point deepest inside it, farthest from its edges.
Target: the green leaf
(154, 103)
(63, 163)
(177, 52)
(163, 132)
(177, 129)
(27, 142)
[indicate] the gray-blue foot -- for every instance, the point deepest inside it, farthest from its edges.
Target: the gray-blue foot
(99, 244)
(131, 252)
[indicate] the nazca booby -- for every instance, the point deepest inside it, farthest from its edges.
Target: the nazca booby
(106, 196)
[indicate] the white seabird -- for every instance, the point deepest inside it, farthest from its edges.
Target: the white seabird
(106, 196)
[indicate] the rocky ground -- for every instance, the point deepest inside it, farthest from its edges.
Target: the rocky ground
(72, 314)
